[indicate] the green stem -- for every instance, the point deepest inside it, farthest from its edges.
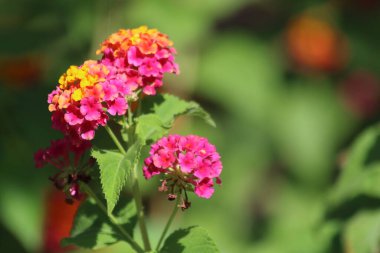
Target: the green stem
(112, 218)
(115, 140)
(130, 124)
(169, 222)
(140, 211)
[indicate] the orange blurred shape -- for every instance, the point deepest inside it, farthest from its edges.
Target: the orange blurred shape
(21, 71)
(361, 93)
(58, 221)
(315, 45)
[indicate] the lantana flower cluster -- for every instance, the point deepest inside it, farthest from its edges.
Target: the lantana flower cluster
(67, 157)
(133, 60)
(187, 163)
(142, 55)
(133, 63)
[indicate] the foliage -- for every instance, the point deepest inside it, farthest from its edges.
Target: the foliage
(287, 134)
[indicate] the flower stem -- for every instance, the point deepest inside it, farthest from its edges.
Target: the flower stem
(140, 212)
(115, 140)
(112, 218)
(130, 124)
(169, 222)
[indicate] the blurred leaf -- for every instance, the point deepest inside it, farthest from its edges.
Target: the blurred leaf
(288, 212)
(92, 228)
(21, 212)
(242, 74)
(115, 168)
(362, 233)
(9, 243)
(190, 240)
(308, 125)
(361, 172)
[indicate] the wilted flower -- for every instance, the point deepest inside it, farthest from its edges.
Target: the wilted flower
(66, 156)
(188, 163)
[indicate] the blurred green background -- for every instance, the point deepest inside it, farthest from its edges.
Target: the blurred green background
(290, 85)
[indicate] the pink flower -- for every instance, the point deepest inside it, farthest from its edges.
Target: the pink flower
(119, 106)
(110, 91)
(163, 54)
(163, 159)
(73, 116)
(91, 108)
(150, 67)
(149, 90)
(135, 57)
(187, 162)
(204, 188)
(85, 95)
(87, 130)
(149, 169)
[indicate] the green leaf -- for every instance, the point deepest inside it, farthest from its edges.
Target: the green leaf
(92, 228)
(189, 240)
(150, 127)
(362, 233)
(168, 107)
(161, 111)
(172, 107)
(361, 172)
(194, 109)
(115, 168)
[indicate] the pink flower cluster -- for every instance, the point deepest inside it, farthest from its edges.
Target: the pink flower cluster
(84, 97)
(142, 55)
(88, 95)
(187, 163)
(66, 156)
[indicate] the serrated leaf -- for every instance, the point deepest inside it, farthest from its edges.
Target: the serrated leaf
(189, 240)
(362, 233)
(194, 109)
(162, 111)
(172, 106)
(115, 168)
(361, 172)
(92, 228)
(150, 127)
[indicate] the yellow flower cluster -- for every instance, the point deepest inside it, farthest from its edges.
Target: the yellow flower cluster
(77, 79)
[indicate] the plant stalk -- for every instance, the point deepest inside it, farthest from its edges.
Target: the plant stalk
(140, 212)
(169, 222)
(115, 140)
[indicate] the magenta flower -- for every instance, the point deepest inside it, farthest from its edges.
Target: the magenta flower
(150, 67)
(143, 54)
(135, 57)
(91, 108)
(73, 116)
(188, 163)
(205, 188)
(118, 106)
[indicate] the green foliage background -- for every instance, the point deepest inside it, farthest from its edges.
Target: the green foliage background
(293, 179)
